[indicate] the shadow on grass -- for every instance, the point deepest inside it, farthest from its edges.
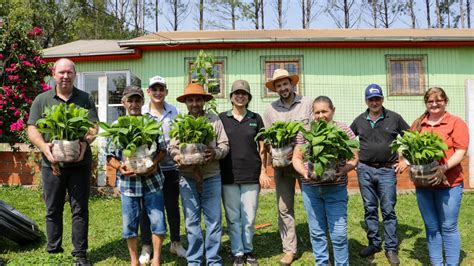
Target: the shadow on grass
(420, 252)
(404, 231)
(11, 246)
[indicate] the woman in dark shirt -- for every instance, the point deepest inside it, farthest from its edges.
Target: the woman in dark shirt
(242, 172)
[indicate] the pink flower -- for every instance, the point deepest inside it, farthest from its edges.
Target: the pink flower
(18, 125)
(1, 57)
(14, 78)
(21, 57)
(36, 31)
(1, 132)
(1, 123)
(45, 87)
(17, 113)
(27, 63)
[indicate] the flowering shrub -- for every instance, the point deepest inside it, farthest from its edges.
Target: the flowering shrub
(22, 77)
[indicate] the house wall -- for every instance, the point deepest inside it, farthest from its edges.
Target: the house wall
(341, 74)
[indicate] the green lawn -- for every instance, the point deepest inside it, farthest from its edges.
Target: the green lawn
(107, 248)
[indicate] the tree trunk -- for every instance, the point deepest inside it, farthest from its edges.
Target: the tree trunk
(201, 14)
(280, 14)
(412, 13)
(468, 11)
(303, 11)
(156, 14)
(261, 14)
(385, 13)
(257, 13)
(438, 15)
(308, 13)
(374, 12)
(175, 13)
(428, 13)
(232, 7)
(346, 15)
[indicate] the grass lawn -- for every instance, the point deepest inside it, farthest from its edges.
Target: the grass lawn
(107, 248)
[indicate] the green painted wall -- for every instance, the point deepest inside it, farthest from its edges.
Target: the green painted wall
(341, 74)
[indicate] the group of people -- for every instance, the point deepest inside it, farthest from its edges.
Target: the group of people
(235, 171)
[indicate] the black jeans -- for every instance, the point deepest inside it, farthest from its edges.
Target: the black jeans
(171, 196)
(76, 182)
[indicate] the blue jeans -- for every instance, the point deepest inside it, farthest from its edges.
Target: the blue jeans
(439, 208)
(326, 207)
(240, 204)
(379, 186)
(154, 206)
(209, 203)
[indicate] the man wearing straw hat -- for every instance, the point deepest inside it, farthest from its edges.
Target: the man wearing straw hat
(208, 197)
(289, 107)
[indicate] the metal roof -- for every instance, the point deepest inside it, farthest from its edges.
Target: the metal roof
(87, 48)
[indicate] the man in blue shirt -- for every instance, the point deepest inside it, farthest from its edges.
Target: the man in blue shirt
(140, 191)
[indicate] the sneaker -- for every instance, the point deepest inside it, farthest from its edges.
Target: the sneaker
(82, 261)
(369, 251)
(145, 255)
(287, 259)
(238, 261)
(392, 257)
(177, 248)
(250, 259)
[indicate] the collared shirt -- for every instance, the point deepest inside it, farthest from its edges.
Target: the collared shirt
(170, 112)
(372, 122)
(50, 98)
(137, 186)
(300, 140)
(299, 110)
(242, 165)
(375, 141)
(220, 145)
(455, 133)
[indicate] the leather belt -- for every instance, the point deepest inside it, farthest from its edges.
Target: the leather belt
(379, 165)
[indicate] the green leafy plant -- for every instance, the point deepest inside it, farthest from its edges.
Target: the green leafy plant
(204, 68)
(131, 132)
(190, 129)
(65, 122)
(326, 143)
(420, 148)
(280, 134)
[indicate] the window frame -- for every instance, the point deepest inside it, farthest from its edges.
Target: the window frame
(280, 59)
(218, 60)
(405, 60)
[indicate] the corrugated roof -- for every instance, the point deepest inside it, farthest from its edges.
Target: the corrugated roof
(87, 48)
(308, 35)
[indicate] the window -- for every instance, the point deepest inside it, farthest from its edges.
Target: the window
(291, 63)
(406, 75)
(218, 76)
(116, 83)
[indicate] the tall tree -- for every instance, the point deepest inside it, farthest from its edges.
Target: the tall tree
(280, 12)
(411, 11)
(468, 12)
(303, 13)
(201, 14)
(178, 12)
(262, 13)
(307, 7)
(343, 12)
(251, 11)
(428, 13)
(226, 11)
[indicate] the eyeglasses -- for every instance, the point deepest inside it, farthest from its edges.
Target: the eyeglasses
(438, 102)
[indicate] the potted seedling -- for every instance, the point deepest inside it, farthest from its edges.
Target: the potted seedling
(136, 137)
(281, 138)
(422, 151)
(327, 149)
(66, 125)
(193, 134)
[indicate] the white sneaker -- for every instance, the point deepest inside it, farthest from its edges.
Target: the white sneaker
(145, 255)
(177, 248)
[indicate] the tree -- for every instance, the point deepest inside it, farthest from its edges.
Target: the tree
(340, 11)
(280, 12)
(226, 11)
(428, 16)
(178, 12)
(22, 76)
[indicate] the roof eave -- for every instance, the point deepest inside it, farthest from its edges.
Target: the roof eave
(124, 52)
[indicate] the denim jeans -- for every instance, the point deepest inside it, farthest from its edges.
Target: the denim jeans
(240, 205)
(379, 186)
(326, 207)
(208, 202)
(153, 206)
(439, 208)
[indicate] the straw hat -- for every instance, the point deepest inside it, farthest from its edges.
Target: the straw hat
(194, 89)
(281, 74)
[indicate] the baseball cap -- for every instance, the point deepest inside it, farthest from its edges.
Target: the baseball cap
(373, 90)
(157, 80)
(132, 90)
(240, 85)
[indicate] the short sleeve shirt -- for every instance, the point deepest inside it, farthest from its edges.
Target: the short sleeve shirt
(299, 110)
(242, 164)
(455, 133)
(50, 98)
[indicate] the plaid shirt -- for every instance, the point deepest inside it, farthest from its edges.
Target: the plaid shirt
(137, 186)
